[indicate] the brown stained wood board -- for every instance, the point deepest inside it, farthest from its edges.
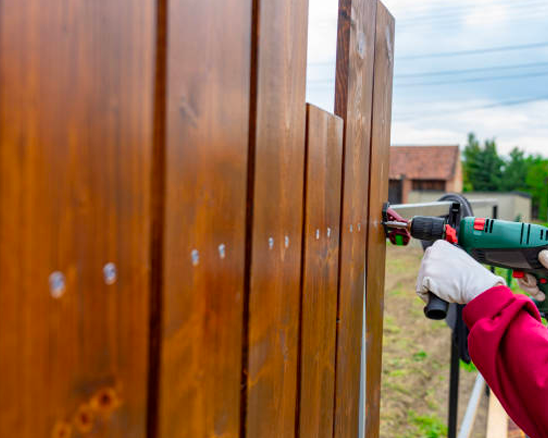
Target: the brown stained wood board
(320, 270)
(378, 194)
(208, 93)
(76, 134)
(353, 98)
(276, 194)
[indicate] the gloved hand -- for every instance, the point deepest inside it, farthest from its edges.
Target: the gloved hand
(451, 274)
(529, 283)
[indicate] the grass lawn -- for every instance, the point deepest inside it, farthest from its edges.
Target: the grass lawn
(415, 379)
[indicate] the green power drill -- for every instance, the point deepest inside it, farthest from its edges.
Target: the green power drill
(494, 242)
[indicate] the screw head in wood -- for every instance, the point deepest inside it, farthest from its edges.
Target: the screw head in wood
(317, 234)
(195, 257)
(286, 241)
(328, 232)
(110, 273)
(351, 228)
(56, 284)
(222, 250)
(270, 242)
(361, 44)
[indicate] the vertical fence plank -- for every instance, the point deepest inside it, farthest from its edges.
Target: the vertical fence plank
(353, 97)
(208, 77)
(320, 270)
(378, 189)
(277, 142)
(76, 116)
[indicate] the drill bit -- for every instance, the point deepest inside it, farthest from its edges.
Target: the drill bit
(397, 225)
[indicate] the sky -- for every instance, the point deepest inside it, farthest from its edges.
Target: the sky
(436, 100)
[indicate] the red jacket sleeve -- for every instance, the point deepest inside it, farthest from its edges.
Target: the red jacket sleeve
(509, 346)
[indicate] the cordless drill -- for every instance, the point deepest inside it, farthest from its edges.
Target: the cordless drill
(494, 242)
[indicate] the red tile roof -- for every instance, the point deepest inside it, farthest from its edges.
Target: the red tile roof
(424, 162)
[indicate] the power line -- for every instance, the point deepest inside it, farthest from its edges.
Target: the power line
(450, 54)
(450, 82)
(475, 51)
(471, 70)
(459, 21)
(452, 13)
(501, 10)
(440, 7)
(485, 79)
(474, 108)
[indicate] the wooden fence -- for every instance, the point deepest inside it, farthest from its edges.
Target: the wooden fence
(184, 242)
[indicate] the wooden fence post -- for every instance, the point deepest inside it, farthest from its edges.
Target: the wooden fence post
(353, 97)
(277, 134)
(201, 302)
(320, 270)
(378, 194)
(76, 140)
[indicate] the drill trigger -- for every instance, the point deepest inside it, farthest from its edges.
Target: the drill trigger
(451, 234)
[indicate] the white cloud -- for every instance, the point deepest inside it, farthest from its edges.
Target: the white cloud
(524, 127)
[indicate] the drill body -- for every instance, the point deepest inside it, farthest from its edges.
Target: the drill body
(510, 245)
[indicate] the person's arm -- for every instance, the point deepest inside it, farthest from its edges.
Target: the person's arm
(507, 342)
(509, 346)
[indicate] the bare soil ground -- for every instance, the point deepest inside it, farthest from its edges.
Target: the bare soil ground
(415, 380)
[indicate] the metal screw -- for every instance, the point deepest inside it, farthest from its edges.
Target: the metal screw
(195, 256)
(222, 250)
(359, 226)
(270, 242)
(351, 229)
(286, 241)
(56, 284)
(110, 273)
(317, 234)
(328, 232)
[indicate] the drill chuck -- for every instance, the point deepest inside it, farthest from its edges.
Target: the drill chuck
(428, 228)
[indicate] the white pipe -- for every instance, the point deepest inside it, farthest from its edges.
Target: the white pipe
(362, 372)
(472, 408)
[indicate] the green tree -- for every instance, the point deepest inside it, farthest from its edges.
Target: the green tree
(482, 165)
(515, 171)
(537, 184)
(485, 170)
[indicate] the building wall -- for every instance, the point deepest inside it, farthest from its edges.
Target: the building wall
(511, 206)
(407, 187)
(455, 185)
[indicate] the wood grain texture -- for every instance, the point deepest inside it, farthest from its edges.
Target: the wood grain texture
(378, 194)
(208, 86)
(76, 132)
(277, 194)
(353, 97)
(320, 270)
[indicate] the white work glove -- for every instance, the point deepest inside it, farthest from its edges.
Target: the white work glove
(451, 274)
(529, 283)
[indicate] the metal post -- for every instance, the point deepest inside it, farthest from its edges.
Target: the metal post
(453, 390)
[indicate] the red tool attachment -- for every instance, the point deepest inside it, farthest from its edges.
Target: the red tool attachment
(397, 236)
(518, 274)
(451, 234)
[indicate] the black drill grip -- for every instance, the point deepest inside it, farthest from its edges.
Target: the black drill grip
(436, 307)
(428, 228)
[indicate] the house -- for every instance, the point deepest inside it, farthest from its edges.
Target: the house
(423, 169)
